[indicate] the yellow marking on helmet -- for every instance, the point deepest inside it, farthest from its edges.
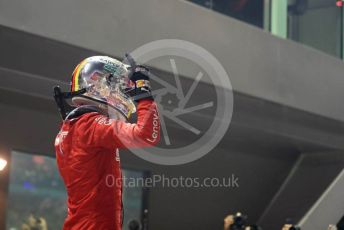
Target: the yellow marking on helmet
(76, 76)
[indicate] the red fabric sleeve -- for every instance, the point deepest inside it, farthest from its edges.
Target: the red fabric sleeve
(111, 133)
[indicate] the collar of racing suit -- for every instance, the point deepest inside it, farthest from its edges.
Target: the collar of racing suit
(81, 110)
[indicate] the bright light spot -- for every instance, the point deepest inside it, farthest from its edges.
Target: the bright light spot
(3, 164)
(339, 3)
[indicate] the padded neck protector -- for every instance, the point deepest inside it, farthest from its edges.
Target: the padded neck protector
(82, 110)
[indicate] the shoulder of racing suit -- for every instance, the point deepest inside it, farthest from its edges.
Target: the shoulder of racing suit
(79, 111)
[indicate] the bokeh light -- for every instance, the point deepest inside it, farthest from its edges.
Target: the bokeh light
(3, 164)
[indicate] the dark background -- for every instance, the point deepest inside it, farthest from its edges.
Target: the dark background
(267, 145)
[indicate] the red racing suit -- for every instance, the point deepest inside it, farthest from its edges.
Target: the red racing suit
(88, 161)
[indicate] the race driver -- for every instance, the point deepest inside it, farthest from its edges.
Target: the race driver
(103, 90)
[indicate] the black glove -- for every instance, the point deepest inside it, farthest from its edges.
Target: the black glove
(140, 85)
